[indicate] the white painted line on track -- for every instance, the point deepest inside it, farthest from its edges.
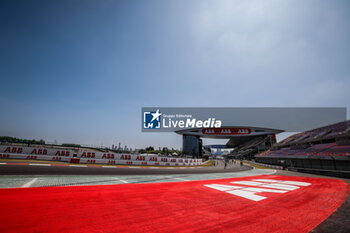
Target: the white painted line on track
(3, 163)
(28, 184)
(124, 181)
(154, 168)
(273, 172)
(78, 165)
(40, 164)
(176, 178)
(134, 167)
(110, 166)
(180, 179)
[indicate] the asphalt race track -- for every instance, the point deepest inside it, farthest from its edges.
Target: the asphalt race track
(236, 199)
(39, 169)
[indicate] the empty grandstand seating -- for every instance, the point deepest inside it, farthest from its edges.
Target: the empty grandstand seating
(337, 151)
(324, 133)
(329, 149)
(251, 147)
(325, 148)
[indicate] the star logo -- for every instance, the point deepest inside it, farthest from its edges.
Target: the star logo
(152, 120)
(156, 115)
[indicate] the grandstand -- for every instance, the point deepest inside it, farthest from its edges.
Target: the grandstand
(250, 148)
(247, 139)
(322, 150)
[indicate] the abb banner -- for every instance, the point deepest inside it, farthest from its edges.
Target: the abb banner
(33, 157)
(133, 162)
(226, 131)
(36, 151)
(40, 153)
(136, 158)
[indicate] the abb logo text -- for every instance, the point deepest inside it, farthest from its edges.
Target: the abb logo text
(62, 153)
(88, 155)
(250, 189)
(108, 156)
(125, 157)
(4, 156)
(39, 152)
(13, 150)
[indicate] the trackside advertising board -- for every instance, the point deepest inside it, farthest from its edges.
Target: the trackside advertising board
(35, 153)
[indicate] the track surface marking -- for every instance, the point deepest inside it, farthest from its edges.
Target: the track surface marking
(30, 182)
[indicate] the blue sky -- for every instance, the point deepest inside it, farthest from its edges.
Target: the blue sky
(80, 71)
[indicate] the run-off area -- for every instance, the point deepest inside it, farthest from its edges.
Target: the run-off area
(299, 205)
